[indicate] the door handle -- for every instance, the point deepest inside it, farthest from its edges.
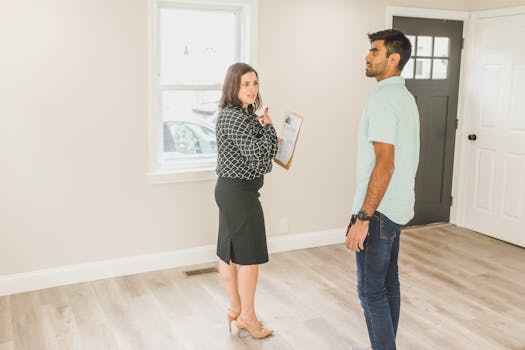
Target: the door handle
(472, 137)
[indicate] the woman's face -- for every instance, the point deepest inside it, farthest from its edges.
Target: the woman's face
(249, 89)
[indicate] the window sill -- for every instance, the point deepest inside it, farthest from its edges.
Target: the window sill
(174, 176)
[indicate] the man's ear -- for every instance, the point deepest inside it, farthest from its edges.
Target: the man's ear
(394, 59)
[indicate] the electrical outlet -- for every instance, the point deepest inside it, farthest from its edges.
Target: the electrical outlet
(283, 225)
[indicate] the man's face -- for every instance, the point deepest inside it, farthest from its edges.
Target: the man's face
(377, 63)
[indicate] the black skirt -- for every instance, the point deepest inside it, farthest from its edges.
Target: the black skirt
(242, 236)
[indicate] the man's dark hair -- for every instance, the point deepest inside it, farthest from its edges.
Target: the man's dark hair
(395, 42)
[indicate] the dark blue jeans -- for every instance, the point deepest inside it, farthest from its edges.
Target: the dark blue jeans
(378, 281)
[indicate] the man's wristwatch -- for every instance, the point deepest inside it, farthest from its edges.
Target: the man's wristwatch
(363, 216)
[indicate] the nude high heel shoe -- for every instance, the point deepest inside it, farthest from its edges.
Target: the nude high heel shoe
(230, 317)
(258, 333)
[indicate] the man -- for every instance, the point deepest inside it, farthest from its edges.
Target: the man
(387, 160)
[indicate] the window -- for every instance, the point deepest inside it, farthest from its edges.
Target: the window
(429, 58)
(194, 43)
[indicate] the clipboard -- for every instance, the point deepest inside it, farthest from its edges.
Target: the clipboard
(290, 134)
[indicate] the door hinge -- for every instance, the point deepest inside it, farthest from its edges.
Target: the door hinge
(457, 123)
(462, 43)
(451, 200)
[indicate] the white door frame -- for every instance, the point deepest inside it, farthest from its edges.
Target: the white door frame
(458, 180)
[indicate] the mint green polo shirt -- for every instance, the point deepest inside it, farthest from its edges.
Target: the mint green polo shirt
(390, 116)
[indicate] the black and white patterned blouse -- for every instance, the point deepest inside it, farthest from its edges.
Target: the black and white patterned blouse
(245, 147)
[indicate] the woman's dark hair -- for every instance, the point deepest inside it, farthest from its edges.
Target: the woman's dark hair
(232, 85)
(395, 42)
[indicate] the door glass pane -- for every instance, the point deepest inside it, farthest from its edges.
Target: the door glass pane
(412, 39)
(423, 68)
(408, 70)
(441, 47)
(439, 70)
(424, 46)
(196, 46)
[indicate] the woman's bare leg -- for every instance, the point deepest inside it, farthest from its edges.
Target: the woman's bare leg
(229, 279)
(247, 281)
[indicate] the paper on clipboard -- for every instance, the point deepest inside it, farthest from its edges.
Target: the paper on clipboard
(289, 134)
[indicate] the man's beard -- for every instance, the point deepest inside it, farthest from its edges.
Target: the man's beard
(374, 71)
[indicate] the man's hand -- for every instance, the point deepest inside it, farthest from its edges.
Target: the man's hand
(356, 235)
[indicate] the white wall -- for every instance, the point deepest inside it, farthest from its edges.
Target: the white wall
(73, 127)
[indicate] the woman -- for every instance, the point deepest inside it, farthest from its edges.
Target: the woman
(246, 145)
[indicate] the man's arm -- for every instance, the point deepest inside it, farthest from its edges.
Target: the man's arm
(380, 178)
(377, 185)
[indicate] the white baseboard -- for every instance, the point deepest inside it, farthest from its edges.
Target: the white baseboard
(285, 243)
(34, 280)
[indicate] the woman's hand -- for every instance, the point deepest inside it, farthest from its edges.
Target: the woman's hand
(265, 118)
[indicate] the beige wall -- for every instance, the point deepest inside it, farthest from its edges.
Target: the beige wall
(73, 135)
(311, 59)
(475, 5)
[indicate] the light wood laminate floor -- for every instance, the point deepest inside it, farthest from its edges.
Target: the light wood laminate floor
(460, 290)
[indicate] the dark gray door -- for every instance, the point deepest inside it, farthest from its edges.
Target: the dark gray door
(432, 75)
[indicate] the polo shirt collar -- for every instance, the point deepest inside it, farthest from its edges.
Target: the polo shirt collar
(395, 80)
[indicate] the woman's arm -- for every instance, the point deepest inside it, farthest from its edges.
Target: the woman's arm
(253, 144)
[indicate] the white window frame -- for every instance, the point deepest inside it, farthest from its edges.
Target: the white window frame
(191, 169)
